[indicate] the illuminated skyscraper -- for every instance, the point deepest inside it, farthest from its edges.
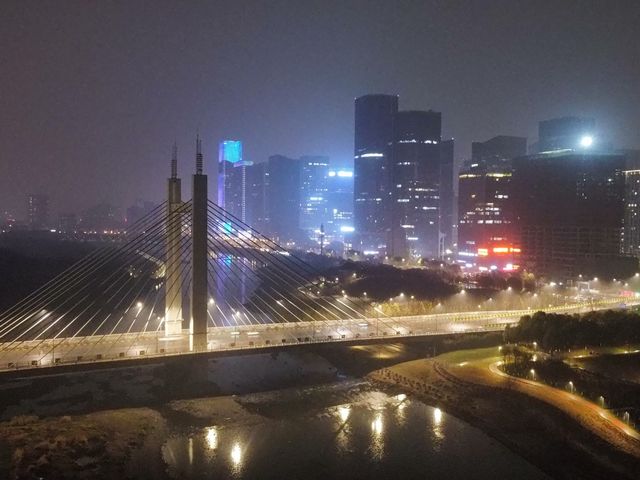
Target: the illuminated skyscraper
(374, 117)
(232, 183)
(484, 209)
(416, 179)
(340, 206)
(314, 172)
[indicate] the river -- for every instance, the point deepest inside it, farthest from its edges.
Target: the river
(371, 435)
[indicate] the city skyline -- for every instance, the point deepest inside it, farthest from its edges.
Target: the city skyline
(123, 120)
(320, 239)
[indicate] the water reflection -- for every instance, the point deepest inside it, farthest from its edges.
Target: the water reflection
(437, 416)
(342, 436)
(236, 456)
(375, 434)
(437, 424)
(212, 438)
(400, 408)
(377, 440)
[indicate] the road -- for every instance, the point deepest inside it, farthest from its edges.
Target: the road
(126, 346)
(588, 413)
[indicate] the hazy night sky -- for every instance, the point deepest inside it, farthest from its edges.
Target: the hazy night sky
(93, 93)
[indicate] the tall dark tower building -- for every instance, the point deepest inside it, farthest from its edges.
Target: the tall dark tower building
(416, 182)
(569, 213)
(447, 198)
(374, 118)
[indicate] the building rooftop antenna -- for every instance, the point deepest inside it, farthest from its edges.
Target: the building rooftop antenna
(174, 161)
(198, 155)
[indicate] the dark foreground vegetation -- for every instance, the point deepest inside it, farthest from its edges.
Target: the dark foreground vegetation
(553, 331)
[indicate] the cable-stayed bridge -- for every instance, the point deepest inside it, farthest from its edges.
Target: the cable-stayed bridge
(192, 278)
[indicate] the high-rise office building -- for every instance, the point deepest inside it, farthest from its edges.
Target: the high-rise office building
(314, 175)
(339, 223)
(374, 117)
(569, 208)
(232, 181)
(37, 211)
(485, 219)
(415, 179)
(283, 194)
(403, 180)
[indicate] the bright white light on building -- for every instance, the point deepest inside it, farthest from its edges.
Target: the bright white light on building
(372, 155)
(345, 173)
(347, 229)
(586, 141)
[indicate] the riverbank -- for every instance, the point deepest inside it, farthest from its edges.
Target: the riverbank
(128, 443)
(543, 434)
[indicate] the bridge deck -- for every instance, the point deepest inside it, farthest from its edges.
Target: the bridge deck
(128, 346)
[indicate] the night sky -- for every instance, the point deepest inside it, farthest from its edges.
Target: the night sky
(93, 93)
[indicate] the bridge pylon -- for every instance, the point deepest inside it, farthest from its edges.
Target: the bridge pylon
(173, 268)
(199, 260)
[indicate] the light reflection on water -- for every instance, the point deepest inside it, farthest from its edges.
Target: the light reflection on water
(378, 436)
(236, 457)
(212, 438)
(438, 430)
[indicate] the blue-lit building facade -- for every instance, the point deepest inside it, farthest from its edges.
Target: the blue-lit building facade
(232, 178)
(339, 228)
